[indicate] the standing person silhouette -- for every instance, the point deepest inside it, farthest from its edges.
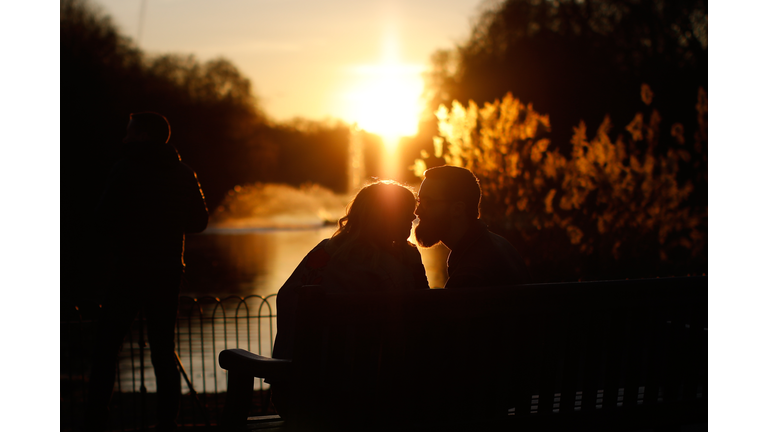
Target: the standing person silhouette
(449, 211)
(150, 201)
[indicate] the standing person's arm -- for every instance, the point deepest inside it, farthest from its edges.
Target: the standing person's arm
(196, 215)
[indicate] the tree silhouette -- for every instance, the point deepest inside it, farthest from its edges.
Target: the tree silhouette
(217, 124)
(579, 59)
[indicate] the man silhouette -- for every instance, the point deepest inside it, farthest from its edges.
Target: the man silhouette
(150, 201)
(449, 210)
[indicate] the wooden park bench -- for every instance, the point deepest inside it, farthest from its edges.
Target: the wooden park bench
(610, 355)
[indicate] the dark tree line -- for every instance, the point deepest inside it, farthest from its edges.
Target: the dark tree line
(580, 60)
(576, 60)
(217, 123)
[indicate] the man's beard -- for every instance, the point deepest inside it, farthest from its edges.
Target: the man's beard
(430, 233)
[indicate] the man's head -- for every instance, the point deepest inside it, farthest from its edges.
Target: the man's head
(449, 199)
(147, 126)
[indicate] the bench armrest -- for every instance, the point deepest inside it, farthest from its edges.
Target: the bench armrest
(247, 363)
(243, 366)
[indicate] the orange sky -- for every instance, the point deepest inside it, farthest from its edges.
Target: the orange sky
(314, 59)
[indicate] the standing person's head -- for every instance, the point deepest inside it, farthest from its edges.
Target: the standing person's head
(449, 199)
(380, 214)
(147, 126)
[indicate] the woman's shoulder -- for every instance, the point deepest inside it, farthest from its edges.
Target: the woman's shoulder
(319, 256)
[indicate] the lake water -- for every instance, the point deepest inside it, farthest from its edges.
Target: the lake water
(258, 261)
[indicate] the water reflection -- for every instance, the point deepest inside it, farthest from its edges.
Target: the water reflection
(248, 262)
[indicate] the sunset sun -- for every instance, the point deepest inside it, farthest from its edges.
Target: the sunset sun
(385, 100)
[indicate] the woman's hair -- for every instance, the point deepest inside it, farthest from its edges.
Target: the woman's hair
(373, 211)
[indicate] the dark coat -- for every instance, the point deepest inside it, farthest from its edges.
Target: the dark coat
(150, 201)
(483, 258)
(355, 272)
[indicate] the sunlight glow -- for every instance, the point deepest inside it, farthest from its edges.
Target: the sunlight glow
(386, 101)
(384, 98)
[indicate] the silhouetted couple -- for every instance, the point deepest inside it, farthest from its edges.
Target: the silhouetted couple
(370, 250)
(151, 199)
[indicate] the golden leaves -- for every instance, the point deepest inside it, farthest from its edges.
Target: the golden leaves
(635, 127)
(678, 133)
(652, 128)
(512, 165)
(646, 94)
(437, 143)
(575, 234)
(522, 203)
(553, 163)
(702, 105)
(615, 250)
(418, 168)
(548, 200)
(602, 188)
(538, 149)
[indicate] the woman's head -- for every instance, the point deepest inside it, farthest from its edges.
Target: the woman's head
(381, 213)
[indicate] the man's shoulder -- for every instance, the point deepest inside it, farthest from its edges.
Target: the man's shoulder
(501, 243)
(506, 250)
(488, 242)
(490, 260)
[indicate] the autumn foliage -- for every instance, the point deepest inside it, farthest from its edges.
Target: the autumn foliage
(619, 205)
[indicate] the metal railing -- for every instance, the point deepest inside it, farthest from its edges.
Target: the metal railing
(204, 327)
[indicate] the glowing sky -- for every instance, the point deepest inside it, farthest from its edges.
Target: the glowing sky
(309, 58)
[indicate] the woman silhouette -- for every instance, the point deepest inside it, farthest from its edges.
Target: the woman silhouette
(369, 252)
